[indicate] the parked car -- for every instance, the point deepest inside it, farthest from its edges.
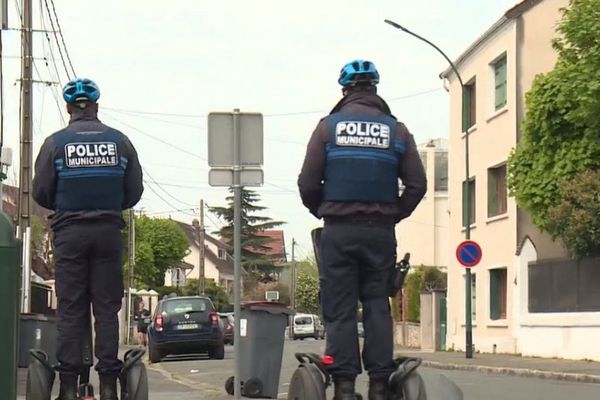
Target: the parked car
(308, 325)
(185, 325)
(228, 324)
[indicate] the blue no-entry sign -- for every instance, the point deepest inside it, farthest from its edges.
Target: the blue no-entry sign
(468, 253)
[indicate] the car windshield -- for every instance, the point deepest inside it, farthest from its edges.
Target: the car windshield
(303, 321)
(186, 306)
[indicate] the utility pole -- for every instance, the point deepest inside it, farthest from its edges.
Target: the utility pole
(201, 280)
(24, 207)
(199, 229)
(131, 264)
(293, 288)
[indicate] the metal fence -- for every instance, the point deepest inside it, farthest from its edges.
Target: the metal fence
(564, 286)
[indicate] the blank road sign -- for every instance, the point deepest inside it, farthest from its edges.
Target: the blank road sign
(224, 177)
(221, 138)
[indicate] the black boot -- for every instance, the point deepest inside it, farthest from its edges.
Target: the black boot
(108, 387)
(378, 389)
(344, 389)
(68, 387)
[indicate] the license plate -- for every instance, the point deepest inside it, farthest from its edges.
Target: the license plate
(187, 326)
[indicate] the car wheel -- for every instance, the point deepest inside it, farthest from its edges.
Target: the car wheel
(153, 353)
(218, 352)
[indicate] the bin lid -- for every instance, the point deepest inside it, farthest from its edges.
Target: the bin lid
(7, 234)
(272, 307)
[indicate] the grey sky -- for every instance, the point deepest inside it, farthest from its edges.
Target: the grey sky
(280, 58)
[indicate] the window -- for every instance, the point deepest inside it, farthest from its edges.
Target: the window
(186, 306)
(497, 191)
(500, 83)
(222, 254)
(177, 277)
(471, 205)
(441, 171)
(498, 293)
(471, 100)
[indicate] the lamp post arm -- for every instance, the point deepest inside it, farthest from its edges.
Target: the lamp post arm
(398, 26)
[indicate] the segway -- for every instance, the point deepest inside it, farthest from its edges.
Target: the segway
(132, 378)
(311, 379)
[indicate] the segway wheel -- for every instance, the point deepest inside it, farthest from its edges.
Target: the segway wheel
(135, 384)
(40, 377)
(307, 384)
(229, 388)
(253, 388)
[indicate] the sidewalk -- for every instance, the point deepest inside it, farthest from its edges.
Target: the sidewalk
(507, 364)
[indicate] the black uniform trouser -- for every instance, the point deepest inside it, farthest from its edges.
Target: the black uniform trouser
(356, 263)
(88, 271)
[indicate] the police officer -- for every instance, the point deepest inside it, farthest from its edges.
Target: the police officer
(350, 179)
(88, 173)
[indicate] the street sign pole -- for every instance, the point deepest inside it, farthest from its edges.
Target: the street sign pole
(237, 251)
(466, 194)
(235, 155)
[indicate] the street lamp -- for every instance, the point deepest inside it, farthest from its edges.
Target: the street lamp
(467, 197)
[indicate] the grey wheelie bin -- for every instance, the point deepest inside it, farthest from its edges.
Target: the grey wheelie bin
(262, 335)
(37, 331)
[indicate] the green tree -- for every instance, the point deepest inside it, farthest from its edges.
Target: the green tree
(421, 279)
(160, 245)
(216, 293)
(253, 245)
(307, 287)
(561, 130)
(38, 235)
(576, 218)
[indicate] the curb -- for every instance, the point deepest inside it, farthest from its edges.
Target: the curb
(522, 372)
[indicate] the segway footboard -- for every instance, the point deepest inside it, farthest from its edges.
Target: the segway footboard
(40, 377)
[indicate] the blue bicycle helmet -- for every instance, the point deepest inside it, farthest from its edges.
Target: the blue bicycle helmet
(358, 71)
(81, 89)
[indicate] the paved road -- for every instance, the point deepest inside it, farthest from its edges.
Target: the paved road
(198, 378)
(208, 377)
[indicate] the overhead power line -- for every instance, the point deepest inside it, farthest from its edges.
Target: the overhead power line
(153, 137)
(62, 38)
(57, 42)
(285, 114)
(165, 191)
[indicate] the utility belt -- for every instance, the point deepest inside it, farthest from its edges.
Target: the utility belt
(378, 220)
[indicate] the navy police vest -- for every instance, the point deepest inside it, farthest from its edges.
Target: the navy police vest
(91, 170)
(362, 159)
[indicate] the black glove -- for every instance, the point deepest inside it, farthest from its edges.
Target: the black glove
(399, 274)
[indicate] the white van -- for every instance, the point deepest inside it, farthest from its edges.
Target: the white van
(308, 325)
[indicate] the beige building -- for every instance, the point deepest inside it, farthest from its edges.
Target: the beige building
(498, 69)
(425, 233)
(217, 266)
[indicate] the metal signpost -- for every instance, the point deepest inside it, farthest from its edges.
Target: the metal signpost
(466, 194)
(235, 155)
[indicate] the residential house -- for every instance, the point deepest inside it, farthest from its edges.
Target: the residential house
(274, 250)
(425, 233)
(217, 265)
(515, 288)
